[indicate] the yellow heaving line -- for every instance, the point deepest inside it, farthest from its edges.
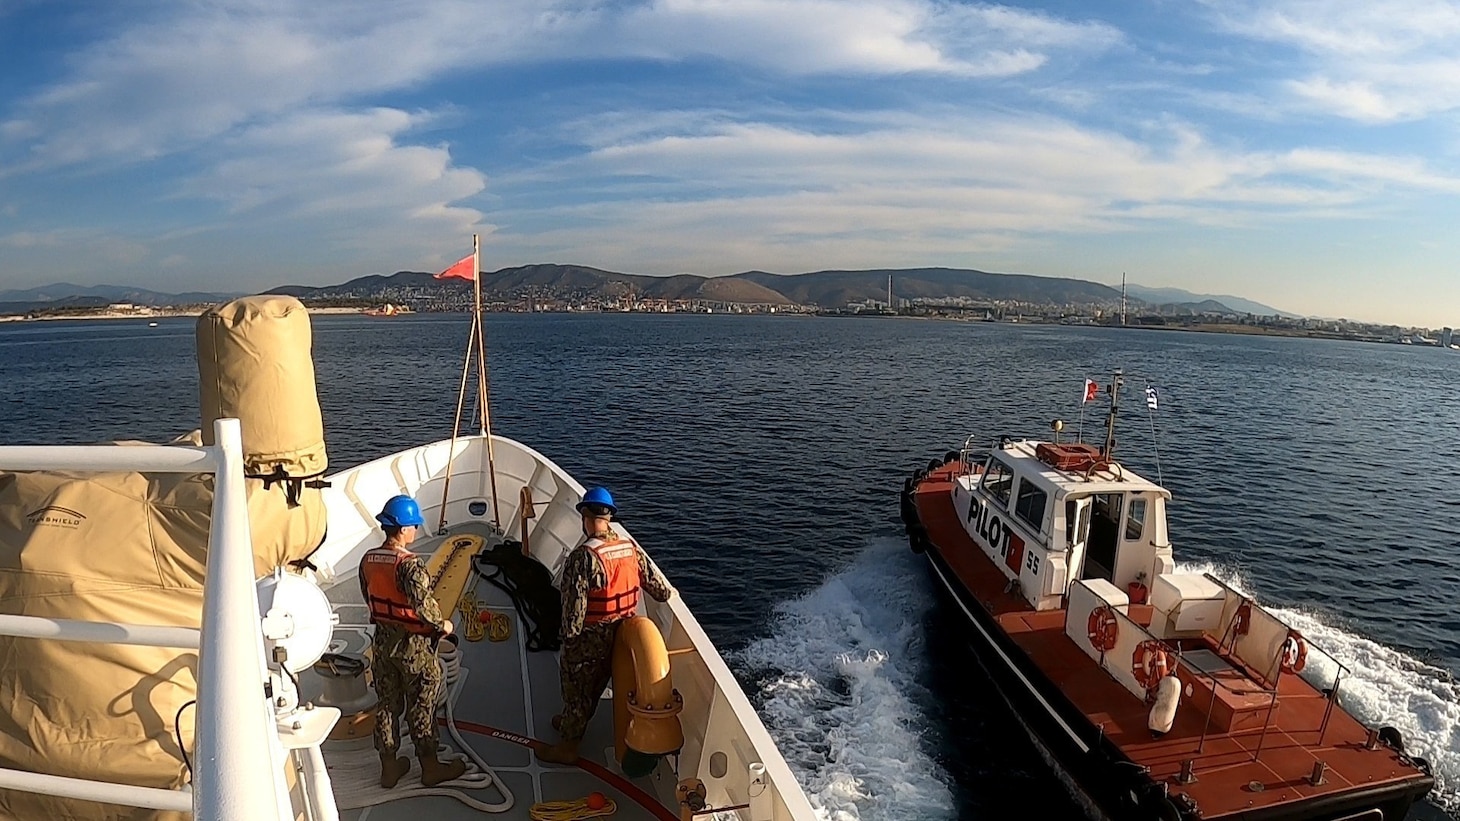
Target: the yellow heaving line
(450, 571)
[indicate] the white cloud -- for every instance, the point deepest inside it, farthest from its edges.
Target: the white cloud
(196, 72)
(1373, 61)
(923, 189)
(347, 176)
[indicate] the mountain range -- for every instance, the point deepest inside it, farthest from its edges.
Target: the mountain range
(830, 288)
(825, 288)
(80, 295)
(1177, 296)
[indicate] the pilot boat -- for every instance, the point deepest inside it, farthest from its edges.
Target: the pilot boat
(1157, 694)
(239, 689)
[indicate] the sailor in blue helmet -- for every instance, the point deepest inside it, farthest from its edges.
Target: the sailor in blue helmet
(408, 623)
(601, 583)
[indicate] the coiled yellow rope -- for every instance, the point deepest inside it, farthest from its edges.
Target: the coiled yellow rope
(573, 810)
(478, 623)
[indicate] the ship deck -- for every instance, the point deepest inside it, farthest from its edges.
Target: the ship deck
(1227, 764)
(503, 701)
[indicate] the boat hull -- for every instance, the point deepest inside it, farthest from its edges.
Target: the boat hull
(1103, 780)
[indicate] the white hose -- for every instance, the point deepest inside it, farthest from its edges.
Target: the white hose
(357, 776)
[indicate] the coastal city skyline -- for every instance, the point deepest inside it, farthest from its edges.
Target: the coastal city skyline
(1300, 154)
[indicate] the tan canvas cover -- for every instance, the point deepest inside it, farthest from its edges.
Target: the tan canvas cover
(254, 363)
(106, 547)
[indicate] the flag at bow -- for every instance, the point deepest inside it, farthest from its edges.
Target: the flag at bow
(1151, 397)
(463, 269)
(1092, 390)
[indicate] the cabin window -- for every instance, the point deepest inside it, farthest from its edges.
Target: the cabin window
(1030, 504)
(1135, 520)
(998, 481)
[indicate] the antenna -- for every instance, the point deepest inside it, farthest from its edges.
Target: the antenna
(1115, 384)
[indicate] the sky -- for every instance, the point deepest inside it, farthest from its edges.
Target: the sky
(1302, 153)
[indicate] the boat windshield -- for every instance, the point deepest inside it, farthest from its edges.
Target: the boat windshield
(998, 480)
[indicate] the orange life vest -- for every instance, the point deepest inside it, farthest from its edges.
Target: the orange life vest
(388, 604)
(618, 599)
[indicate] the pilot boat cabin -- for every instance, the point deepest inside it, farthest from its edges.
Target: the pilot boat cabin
(1047, 527)
(1163, 695)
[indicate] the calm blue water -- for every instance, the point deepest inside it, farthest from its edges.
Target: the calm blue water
(759, 459)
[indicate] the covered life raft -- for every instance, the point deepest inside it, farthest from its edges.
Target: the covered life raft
(132, 548)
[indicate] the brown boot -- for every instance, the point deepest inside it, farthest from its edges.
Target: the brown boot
(434, 771)
(564, 752)
(392, 767)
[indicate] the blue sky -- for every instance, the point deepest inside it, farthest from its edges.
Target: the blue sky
(1298, 152)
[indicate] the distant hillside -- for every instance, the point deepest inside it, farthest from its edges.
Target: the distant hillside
(535, 280)
(104, 294)
(511, 282)
(1177, 296)
(836, 288)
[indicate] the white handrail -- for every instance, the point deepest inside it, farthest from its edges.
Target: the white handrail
(106, 792)
(164, 459)
(238, 769)
(104, 632)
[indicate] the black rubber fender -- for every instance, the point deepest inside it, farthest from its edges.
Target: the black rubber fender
(1423, 764)
(952, 456)
(1155, 803)
(917, 538)
(934, 464)
(1392, 737)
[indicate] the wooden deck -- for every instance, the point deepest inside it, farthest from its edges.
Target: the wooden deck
(1226, 764)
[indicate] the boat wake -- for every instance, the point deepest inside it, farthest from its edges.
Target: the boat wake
(1383, 686)
(837, 686)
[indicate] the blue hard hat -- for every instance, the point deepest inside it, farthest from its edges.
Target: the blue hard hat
(400, 511)
(599, 497)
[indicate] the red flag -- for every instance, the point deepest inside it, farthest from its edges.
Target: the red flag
(461, 270)
(1092, 390)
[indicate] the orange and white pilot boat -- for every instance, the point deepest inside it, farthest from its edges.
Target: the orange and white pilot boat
(1159, 694)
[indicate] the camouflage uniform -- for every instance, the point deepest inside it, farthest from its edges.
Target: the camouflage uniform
(587, 659)
(407, 677)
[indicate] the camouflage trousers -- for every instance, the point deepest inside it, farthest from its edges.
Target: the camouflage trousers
(587, 667)
(407, 683)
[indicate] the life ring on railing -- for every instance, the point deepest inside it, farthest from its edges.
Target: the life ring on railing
(1242, 619)
(1150, 663)
(1294, 654)
(1103, 628)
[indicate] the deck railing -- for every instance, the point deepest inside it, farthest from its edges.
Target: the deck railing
(1274, 671)
(238, 762)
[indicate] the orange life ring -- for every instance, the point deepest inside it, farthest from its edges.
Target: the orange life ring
(1150, 663)
(1294, 654)
(1103, 628)
(1242, 620)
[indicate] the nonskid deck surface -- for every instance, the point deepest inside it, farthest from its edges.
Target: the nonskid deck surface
(503, 701)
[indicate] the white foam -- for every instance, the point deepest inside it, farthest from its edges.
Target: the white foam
(1383, 686)
(841, 697)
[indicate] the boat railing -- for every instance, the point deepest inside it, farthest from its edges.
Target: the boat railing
(971, 454)
(239, 758)
(1264, 643)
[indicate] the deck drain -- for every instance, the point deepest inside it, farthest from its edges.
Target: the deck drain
(1254, 786)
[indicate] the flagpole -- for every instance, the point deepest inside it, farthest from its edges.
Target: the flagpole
(1155, 442)
(482, 382)
(456, 427)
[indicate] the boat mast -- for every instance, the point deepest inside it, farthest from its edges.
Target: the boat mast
(1115, 384)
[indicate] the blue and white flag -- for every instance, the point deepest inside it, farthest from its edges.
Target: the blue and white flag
(1151, 397)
